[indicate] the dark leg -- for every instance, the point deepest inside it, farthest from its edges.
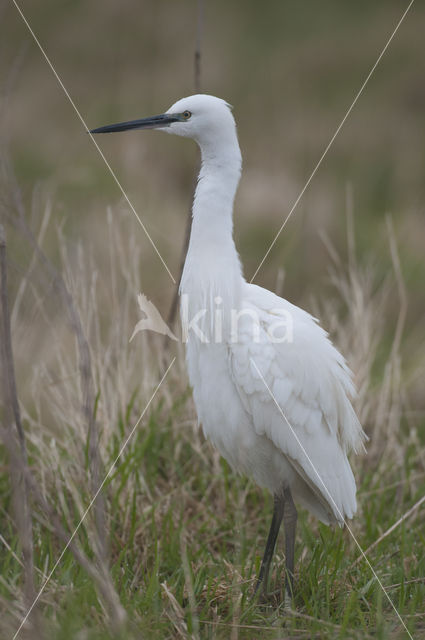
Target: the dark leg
(278, 514)
(290, 525)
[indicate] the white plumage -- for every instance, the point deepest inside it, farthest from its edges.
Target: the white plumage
(308, 377)
(310, 382)
(277, 409)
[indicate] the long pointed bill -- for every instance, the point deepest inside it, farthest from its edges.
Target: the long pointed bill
(154, 122)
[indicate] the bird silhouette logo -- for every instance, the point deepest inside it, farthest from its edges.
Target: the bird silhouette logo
(153, 320)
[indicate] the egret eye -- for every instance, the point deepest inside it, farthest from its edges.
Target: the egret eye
(186, 115)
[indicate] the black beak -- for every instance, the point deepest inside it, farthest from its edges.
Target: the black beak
(154, 122)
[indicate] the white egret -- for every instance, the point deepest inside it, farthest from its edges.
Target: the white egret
(271, 391)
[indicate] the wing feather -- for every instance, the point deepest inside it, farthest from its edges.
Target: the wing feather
(298, 395)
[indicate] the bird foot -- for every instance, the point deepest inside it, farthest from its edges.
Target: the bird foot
(261, 596)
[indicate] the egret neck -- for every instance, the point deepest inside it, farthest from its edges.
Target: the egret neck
(212, 274)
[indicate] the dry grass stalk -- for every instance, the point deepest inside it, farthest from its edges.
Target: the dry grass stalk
(358, 335)
(15, 441)
(175, 614)
(86, 383)
(384, 535)
(189, 586)
(100, 574)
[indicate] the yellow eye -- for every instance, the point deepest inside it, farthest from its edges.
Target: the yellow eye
(186, 115)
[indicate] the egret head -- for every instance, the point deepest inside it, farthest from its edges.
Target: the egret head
(201, 117)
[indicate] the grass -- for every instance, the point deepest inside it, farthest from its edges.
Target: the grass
(182, 535)
(175, 539)
(182, 526)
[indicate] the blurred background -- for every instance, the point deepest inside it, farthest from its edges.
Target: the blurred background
(291, 70)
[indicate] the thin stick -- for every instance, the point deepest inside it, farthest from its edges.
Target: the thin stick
(197, 85)
(17, 453)
(9, 367)
(198, 46)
